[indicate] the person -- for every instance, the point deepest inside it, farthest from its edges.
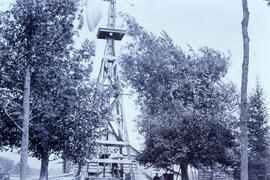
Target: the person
(156, 177)
(115, 167)
(115, 170)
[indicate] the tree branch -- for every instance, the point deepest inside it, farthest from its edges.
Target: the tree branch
(11, 118)
(10, 90)
(37, 115)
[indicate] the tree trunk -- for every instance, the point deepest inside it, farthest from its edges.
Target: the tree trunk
(79, 169)
(243, 114)
(26, 104)
(25, 130)
(179, 171)
(184, 171)
(65, 166)
(211, 174)
(44, 165)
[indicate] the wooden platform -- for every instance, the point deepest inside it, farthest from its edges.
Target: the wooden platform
(106, 33)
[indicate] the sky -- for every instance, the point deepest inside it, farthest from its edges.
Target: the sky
(212, 23)
(195, 23)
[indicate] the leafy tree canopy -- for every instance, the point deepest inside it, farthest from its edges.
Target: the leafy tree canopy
(187, 111)
(65, 106)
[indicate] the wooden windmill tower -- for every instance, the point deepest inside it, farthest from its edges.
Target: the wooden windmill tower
(114, 153)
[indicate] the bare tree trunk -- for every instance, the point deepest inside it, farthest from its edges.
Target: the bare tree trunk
(184, 171)
(44, 165)
(25, 132)
(243, 115)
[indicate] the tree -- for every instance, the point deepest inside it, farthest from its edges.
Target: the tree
(21, 48)
(60, 78)
(258, 134)
(29, 171)
(7, 164)
(72, 106)
(244, 84)
(80, 144)
(186, 109)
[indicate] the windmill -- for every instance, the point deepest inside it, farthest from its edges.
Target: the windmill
(114, 153)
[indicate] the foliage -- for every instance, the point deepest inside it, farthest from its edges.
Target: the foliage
(187, 112)
(64, 101)
(6, 164)
(47, 45)
(30, 171)
(258, 134)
